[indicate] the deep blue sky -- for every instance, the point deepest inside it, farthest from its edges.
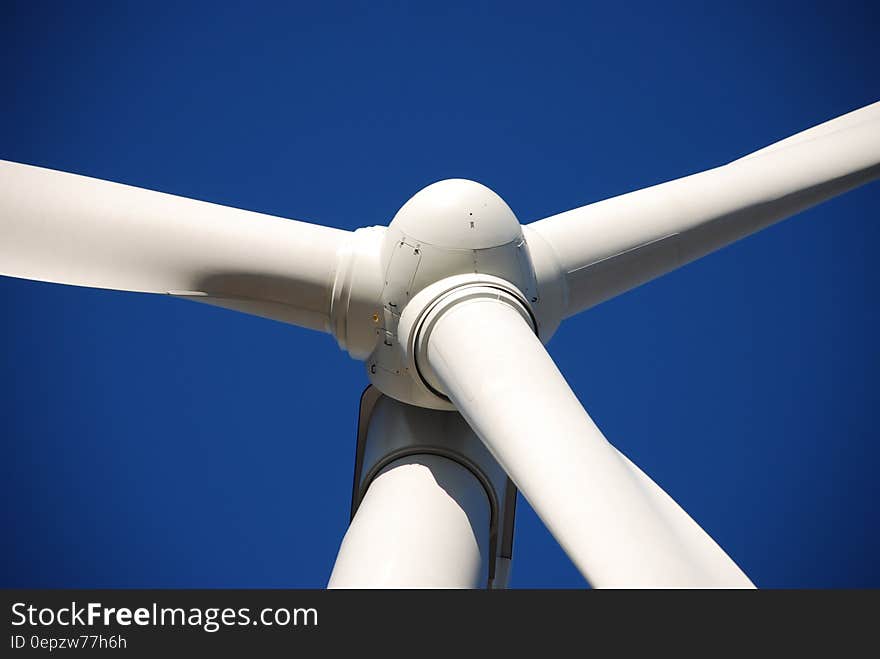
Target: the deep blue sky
(153, 442)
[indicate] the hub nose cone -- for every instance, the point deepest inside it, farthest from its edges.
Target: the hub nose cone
(458, 214)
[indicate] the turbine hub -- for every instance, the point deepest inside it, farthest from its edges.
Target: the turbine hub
(452, 235)
(451, 229)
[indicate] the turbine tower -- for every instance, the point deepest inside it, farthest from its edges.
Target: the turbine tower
(449, 308)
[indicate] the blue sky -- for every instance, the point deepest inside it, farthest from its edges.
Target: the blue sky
(153, 442)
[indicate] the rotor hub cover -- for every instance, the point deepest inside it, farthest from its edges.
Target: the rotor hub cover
(455, 229)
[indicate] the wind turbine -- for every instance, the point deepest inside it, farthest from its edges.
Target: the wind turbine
(449, 307)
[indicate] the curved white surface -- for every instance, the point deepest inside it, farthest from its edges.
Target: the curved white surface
(617, 531)
(71, 229)
(423, 523)
(457, 213)
(609, 247)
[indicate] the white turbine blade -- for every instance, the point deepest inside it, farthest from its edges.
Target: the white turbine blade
(702, 548)
(71, 229)
(611, 246)
(618, 528)
(848, 120)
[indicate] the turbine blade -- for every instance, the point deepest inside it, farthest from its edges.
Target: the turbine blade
(618, 527)
(71, 229)
(609, 247)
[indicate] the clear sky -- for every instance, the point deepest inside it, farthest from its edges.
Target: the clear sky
(153, 442)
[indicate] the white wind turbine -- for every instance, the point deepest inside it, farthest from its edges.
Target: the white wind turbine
(448, 307)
